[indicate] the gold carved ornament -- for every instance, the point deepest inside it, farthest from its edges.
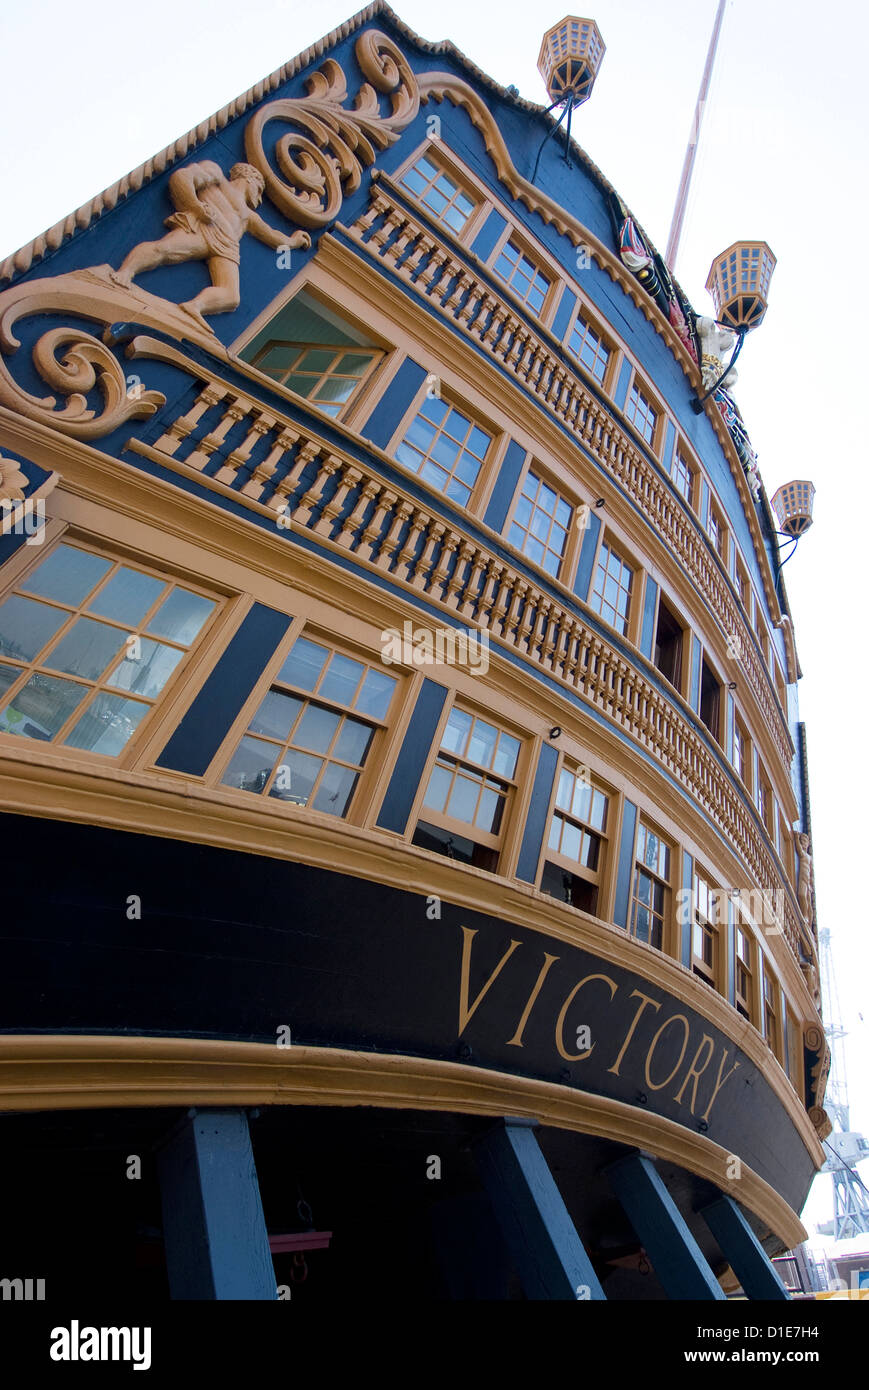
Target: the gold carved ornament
(319, 162)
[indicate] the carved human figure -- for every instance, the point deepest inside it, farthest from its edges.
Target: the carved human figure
(716, 345)
(805, 884)
(212, 214)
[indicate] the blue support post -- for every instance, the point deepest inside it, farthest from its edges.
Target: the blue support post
(214, 1231)
(675, 1255)
(743, 1251)
(548, 1253)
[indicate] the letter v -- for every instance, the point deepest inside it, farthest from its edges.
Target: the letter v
(466, 1011)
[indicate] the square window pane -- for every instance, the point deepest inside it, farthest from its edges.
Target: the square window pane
(478, 442)
(251, 765)
(303, 665)
(456, 732)
(489, 811)
(181, 616)
(467, 468)
(8, 677)
(353, 742)
(421, 433)
(438, 788)
(641, 923)
(571, 840)
(644, 888)
(555, 832)
(41, 707)
(86, 649)
(597, 815)
(341, 680)
(26, 626)
(300, 774)
(276, 715)
(581, 800)
(336, 389)
(506, 756)
(316, 729)
(335, 790)
(68, 575)
(463, 799)
(481, 748)
(127, 596)
(376, 693)
(445, 451)
(147, 673)
(458, 492)
(107, 724)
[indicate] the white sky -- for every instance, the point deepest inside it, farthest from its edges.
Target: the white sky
(91, 90)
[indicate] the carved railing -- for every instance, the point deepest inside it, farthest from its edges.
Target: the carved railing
(315, 488)
(391, 235)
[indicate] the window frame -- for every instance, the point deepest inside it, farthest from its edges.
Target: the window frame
(679, 457)
(573, 540)
(158, 715)
(440, 154)
(711, 929)
(639, 383)
(666, 886)
(501, 842)
(499, 440)
(581, 310)
(512, 233)
(598, 877)
(605, 539)
(372, 769)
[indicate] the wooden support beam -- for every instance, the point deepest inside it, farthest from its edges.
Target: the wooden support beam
(677, 1258)
(214, 1230)
(548, 1253)
(743, 1251)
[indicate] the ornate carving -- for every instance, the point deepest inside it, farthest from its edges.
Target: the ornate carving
(821, 1121)
(716, 345)
(817, 1070)
(12, 481)
(805, 879)
(86, 364)
(212, 214)
(324, 158)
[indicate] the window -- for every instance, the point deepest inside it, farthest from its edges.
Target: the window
(764, 798)
(683, 478)
(468, 791)
(445, 448)
(651, 880)
(668, 646)
(611, 596)
(642, 413)
(310, 751)
(574, 860)
(741, 751)
(87, 644)
(445, 200)
(717, 530)
(588, 346)
(743, 586)
(311, 350)
(770, 1011)
(704, 936)
(710, 700)
(744, 977)
(540, 524)
(519, 272)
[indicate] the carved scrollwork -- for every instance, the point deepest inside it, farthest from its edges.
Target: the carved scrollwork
(323, 158)
(86, 364)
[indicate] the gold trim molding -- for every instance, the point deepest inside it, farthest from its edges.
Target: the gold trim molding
(81, 1073)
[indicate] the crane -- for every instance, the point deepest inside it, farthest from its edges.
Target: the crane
(845, 1147)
